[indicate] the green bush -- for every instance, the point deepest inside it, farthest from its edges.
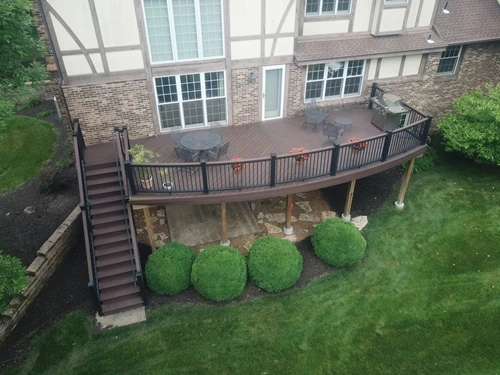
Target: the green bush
(168, 269)
(274, 264)
(338, 242)
(424, 163)
(219, 273)
(12, 279)
(473, 128)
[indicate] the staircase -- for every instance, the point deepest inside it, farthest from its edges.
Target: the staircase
(114, 258)
(114, 269)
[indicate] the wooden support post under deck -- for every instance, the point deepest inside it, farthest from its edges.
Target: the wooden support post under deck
(288, 229)
(149, 228)
(225, 241)
(348, 204)
(404, 186)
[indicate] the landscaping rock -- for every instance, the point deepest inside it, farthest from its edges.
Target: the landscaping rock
(305, 206)
(325, 215)
(294, 219)
(29, 210)
(248, 245)
(162, 221)
(360, 221)
(309, 217)
(270, 217)
(139, 230)
(291, 238)
(281, 204)
(154, 219)
(159, 243)
(160, 213)
(260, 221)
(252, 206)
(280, 218)
(301, 195)
(272, 229)
(260, 215)
(161, 236)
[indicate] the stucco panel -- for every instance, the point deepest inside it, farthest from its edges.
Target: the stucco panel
(275, 11)
(392, 20)
(65, 41)
(389, 67)
(413, 13)
(97, 61)
(362, 15)
(245, 17)
(118, 22)
(373, 69)
(412, 65)
(76, 65)
(125, 60)
(427, 13)
(248, 49)
(326, 27)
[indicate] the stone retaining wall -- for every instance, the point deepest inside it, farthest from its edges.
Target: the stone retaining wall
(49, 256)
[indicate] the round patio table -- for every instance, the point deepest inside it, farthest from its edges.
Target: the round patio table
(344, 122)
(201, 140)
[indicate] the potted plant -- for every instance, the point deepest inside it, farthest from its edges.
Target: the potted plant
(299, 159)
(166, 181)
(142, 155)
(237, 167)
(361, 146)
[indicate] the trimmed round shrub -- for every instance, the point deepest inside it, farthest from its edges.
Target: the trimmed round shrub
(338, 242)
(168, 269)
(219, 273)
(274, 264)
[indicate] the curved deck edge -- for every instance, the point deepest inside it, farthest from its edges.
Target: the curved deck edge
(279, 190)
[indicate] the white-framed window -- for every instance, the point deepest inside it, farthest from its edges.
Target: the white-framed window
(191, 100)
(449, 60)
(334, 80)
(325, 7)
(180, 30)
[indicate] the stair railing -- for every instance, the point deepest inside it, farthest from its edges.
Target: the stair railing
(79, 149)
(121, 145)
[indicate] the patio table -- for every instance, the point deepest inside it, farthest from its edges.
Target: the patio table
(201, 140)
(343, 122)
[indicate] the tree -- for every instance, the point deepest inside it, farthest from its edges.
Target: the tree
(474, 126)
(16, 39)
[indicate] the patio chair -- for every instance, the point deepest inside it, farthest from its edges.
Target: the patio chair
(333, 131)
(216, 127)
(314, 116)
(217, 152)
(176, 136)
(187, 155)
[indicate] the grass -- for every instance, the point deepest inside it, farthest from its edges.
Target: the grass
(25, 145)
(421, 302)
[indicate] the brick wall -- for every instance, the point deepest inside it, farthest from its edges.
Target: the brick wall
(480, 65)
(42, 31)
(101, 107)
(245, 96)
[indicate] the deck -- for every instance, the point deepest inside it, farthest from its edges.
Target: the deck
(268, 167)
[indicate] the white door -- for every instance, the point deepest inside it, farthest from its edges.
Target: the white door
(272, 92)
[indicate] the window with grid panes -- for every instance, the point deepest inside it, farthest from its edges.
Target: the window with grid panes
(191, 100)
(334, 80)
(320, 7)
(184, 29)
(449, 60)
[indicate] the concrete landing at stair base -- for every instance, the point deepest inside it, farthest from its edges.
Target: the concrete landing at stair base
(121, 319)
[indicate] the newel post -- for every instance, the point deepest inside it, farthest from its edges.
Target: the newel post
(204, 174)
(387, 145)
(334, 162)
(427, 129)
(273, 170)
(130, 175)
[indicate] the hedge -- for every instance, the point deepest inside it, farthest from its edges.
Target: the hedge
(219, 273)
(338, 242)
(12, 279)
(168, 269)
(274, 264)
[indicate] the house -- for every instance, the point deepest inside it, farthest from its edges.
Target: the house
(160, 66)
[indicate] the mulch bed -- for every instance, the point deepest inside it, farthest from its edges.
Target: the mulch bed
(22, 234)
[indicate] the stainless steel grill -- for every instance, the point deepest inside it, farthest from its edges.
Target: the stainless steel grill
(388, 112)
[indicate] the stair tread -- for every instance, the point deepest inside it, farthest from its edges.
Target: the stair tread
(108, 238)
(100, 166)
(112, 248)
(115, 258)
(115, 269)
(100, 229)
(102, 180)
(108, 199)
(106, 208)
(96, 190)
(118, 291)
(108, 217)
(121, 302)
(116, 280)
(100, 171)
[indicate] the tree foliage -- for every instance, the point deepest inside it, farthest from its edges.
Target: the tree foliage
(473, 129)
(16, 40)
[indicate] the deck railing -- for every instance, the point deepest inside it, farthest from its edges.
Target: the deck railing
(206, 177)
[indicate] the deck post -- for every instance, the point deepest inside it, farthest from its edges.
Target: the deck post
(225, 241)
(149, 228)
(288, 229)
(347, 209)
(334, 162)
(427, 129)
(204, 175)
(273, 170)
(406, 180)
(372, 94)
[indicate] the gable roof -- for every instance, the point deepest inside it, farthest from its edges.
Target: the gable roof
(468, 21)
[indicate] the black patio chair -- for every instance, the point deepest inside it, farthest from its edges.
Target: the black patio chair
(187, 155)
(217, 128)
(333, 131)
(314, 116)
(176, 137)
(217, 152)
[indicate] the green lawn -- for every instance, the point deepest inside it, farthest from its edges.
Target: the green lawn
(421, 302)
(25, 145)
